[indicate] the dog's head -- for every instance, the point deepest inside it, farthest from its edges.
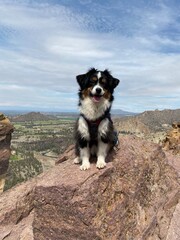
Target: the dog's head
(97, 85)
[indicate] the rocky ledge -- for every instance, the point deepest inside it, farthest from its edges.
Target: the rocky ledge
(5, 139)
(172, 140)
(134, 197)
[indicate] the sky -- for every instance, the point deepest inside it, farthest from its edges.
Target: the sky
(44, 44)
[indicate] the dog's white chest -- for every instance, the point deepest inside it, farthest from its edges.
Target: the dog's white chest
(92, 110)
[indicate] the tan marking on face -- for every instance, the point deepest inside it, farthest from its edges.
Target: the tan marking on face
(107, 94)
(103, 80)
(94, 79)
(86, 92)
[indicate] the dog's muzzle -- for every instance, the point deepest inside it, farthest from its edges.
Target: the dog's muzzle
(96, 93)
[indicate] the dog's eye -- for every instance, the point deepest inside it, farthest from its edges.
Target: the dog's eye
(93, 79)
(103, 81)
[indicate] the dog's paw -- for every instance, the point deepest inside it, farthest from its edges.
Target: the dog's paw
(100, 164)
(85, 166)
(77, 160)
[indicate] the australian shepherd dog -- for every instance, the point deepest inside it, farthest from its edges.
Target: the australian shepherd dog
(94, 132)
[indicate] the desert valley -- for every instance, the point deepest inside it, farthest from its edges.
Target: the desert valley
(53, 199)
(38, 139)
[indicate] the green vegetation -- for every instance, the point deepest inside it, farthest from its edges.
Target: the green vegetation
(22, 170)
(15, 157)
(43, 135)
(37, 138)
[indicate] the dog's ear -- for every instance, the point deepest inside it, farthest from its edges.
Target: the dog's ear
(115, 82)
(81, 79)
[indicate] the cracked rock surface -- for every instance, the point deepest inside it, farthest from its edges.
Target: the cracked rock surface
(5, 139)
(134, 197)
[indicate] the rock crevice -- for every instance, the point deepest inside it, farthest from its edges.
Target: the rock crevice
(134, 197)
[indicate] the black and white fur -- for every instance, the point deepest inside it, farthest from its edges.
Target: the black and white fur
(94, 128)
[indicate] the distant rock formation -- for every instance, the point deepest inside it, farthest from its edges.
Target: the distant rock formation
(131, 125)
(156, 120)
(32, 116)
(172, 140)
(148, 121)
(134, 197)
(5, 138)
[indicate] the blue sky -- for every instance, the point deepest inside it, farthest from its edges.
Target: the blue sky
(45, 44)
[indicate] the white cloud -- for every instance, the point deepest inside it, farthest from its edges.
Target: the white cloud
(44, 46)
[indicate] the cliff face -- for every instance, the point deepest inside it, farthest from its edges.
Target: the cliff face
(134, 197)
(172, 140)
(5, 139)
(131, 125)
(148, 122)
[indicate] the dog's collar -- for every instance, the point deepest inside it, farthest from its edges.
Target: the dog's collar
(96, 122)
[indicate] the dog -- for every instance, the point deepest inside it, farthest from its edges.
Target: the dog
(94, 131)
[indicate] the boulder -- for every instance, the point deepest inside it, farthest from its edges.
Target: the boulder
(5, 139)
(172, 140)
(133, 198)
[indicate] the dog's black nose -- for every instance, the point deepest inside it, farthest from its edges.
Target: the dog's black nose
(98, 90)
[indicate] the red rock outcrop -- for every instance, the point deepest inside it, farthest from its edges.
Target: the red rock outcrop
(172, 140)
(134, 197)
(5, 139)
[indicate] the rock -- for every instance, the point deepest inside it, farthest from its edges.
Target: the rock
(131, 125)
(69, 153)
(172, 140)
(174, 229)
(174, 161)
(5, 139)
(134, 197)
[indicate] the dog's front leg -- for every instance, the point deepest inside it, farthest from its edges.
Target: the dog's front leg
(102, 153)
(103, 145)
(84, 143)
(85, 155)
